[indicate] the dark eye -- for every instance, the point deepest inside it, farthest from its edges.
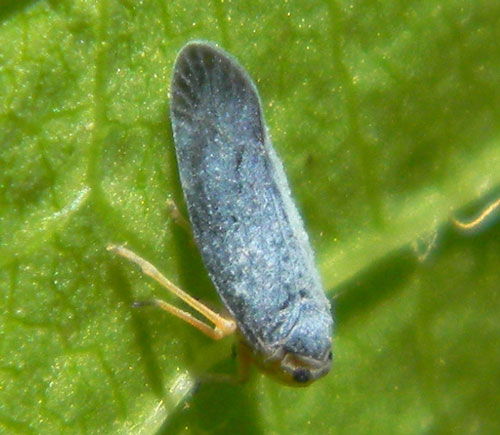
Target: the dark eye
(330, 356)
(301, 375)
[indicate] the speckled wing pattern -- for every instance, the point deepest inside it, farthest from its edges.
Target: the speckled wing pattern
(247, 228)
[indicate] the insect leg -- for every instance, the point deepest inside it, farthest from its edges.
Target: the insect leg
(222, 326)
(242, 375)
(244, 362)
(177, 216)
(475, 222)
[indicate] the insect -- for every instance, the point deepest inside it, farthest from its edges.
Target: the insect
(244, 221)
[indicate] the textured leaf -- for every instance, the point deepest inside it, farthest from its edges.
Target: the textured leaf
(386, 116)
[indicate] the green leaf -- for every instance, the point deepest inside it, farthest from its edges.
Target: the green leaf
(386, 115)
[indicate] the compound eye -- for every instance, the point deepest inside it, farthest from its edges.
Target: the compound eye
(302, 375)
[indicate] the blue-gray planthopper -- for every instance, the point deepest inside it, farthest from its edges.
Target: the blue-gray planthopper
(244, 221)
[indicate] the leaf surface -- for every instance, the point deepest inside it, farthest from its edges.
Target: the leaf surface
(386, 118)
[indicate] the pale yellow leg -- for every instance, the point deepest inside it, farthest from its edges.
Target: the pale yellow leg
(177, 216)
(244, 364)
(223, 326)
(475, 222)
